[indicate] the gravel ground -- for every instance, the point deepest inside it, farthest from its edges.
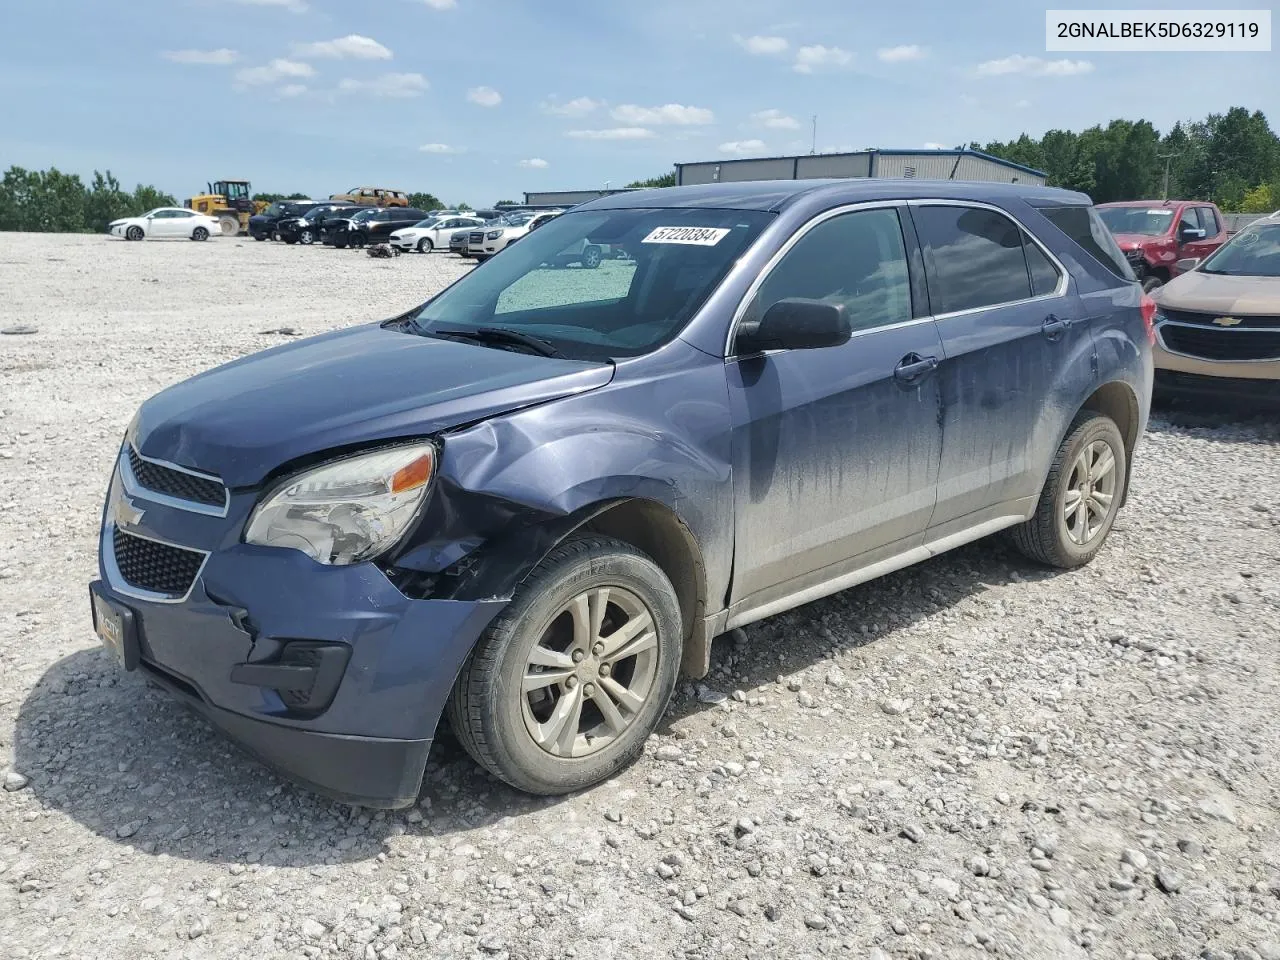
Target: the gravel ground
(971, 757)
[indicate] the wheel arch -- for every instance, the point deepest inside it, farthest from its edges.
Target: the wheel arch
(1118, 401)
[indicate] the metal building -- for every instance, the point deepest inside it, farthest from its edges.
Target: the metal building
(568, 198)
(962, 164)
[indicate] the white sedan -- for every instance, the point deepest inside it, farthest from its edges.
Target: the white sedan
(166, 222)
(431, 234)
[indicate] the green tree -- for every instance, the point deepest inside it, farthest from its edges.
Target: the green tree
(425, 201)
(666, 180)
(147, 197)
(1258, 200)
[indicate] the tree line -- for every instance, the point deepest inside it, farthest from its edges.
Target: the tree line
(1231, 158)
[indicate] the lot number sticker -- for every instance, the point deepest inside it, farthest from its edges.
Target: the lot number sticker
(697, 236)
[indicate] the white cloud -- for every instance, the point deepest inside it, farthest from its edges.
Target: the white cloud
(441, 4)
(484, 96)
(293, 6)
(900, 54)
(775, 120)
(817, 57)
(1022, 104)
(291, 90)
(762, 46)
(440, 148)
(668, 113)
(933, 145)
(274, 71)
(1033, 67)
(741, 147)
(217, 58)
(388, 85)
(577, 107)
(536, 163)
(614, 133)
(352, 47)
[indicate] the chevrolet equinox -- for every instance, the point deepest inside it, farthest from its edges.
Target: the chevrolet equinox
(527, 505)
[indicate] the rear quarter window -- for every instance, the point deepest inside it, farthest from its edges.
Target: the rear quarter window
(1083, 225)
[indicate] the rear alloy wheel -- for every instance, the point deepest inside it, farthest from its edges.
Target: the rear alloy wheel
(134, 233)
(591, 257)
(425, 245)
(1081, 495)
(229, 224)
(566, 685)
(199, 233)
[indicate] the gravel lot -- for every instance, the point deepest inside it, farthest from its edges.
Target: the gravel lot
(971, 757)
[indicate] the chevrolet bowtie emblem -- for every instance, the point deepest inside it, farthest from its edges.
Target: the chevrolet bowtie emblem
(1227, 321)
(126, 514)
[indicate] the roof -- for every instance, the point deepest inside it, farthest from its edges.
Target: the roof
(959, 152)
(774, 195)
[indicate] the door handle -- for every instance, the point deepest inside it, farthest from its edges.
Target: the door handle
(1054, 327)
(913, 366)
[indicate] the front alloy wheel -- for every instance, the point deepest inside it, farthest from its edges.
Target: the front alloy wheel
(568, 682)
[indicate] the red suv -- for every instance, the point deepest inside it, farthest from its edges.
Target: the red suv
(1156, 234)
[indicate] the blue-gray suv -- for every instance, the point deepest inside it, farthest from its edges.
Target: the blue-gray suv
(528, 504)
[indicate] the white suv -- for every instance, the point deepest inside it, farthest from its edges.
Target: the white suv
(431, 233)
(496, 235)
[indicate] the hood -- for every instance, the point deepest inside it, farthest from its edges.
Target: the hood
(355, 386)
(261, 218)
(1134, 241)
(1214, 293)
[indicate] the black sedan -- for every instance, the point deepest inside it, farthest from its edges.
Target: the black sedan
(370, 226)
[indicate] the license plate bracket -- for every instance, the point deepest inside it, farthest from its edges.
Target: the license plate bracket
(116, 626)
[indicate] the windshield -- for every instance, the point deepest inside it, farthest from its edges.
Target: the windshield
(275, 210)
(655, 268)
(316, 213)
(364, 214)
(429, 222)
(1253, 252)
(1153, 222)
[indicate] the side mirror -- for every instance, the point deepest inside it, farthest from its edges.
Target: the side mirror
(1187, 234)
(1186, 264)
(795, 324)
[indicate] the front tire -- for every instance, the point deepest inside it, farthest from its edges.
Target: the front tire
(591, 257)
(306, 238)
(134, 233)
(229, 224)
(1081, 497)
(425, 245)
(199, 234)
(564, 688)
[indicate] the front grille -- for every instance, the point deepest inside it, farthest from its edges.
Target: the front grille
(1209, 319)
(155, 567)
(476, 238)
(1221, 344)
(175, 483)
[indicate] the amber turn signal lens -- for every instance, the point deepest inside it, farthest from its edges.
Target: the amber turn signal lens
(412, 475)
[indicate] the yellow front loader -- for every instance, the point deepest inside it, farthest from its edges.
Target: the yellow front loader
(229, 201)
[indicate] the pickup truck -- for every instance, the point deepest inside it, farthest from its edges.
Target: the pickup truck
(1156, 234)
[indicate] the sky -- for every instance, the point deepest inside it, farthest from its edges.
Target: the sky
(479, 100)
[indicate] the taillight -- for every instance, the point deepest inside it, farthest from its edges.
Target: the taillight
(1149, 317)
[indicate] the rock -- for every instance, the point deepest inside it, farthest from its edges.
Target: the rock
(913, 832)
(1168, 881)
(895, 707)
(1218, 808)
(898, 927)
(978, 866)
(707, 695)
(805, 699)
(19, 330)
(127, 830)
(492, 944)
(815, 922)
(1135, 858)
(282, 331)
(1269, 950)
(1060, 916)
(313, 929)
(947, 886)
(669, 752)
(836, 678)
(14, 781)
(1190, 847)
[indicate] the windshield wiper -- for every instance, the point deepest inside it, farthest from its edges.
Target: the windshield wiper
(498, 335)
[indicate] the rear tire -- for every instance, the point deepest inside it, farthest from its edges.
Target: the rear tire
(425, 245)
(259, 237)
(591, 257)
(1081, 496)
(199, 234)
(559, 624)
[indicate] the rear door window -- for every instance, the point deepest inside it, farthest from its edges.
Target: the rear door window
(1045, 275)
(1085, 227)
(975, 257)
